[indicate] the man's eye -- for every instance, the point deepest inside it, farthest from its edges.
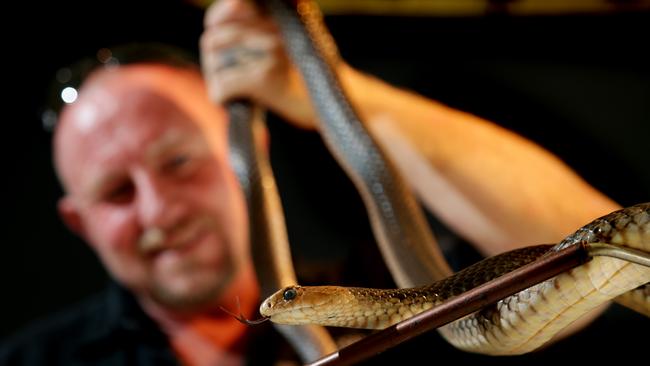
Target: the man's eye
(176, 162)
(181, 165)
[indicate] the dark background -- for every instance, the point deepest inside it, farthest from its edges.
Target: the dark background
(579, 85)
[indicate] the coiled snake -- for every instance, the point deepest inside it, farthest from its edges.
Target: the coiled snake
(517, 324)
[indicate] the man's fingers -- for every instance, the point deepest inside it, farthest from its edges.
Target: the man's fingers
(223, 11)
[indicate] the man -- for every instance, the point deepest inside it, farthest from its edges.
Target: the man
(148, 188)
(142, 155)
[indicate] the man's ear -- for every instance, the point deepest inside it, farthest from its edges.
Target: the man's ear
(70, 215)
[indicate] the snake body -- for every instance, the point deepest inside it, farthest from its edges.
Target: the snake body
(268, 237)
(516, 324)
(399, 225)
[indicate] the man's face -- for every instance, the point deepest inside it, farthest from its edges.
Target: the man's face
(142, 155)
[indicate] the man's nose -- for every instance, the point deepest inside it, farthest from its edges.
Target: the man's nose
(158, 203)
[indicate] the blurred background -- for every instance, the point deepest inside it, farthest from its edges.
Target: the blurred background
(573, 76)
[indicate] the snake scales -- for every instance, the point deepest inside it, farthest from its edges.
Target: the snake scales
(517, 324)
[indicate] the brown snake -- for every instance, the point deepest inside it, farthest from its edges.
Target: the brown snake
(516, 324)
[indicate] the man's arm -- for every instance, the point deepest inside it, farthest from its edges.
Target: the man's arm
(493, 187)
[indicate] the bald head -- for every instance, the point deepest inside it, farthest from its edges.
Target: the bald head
(143, 92)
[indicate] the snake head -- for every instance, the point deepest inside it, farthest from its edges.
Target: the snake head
(302, 304)
(282, 301)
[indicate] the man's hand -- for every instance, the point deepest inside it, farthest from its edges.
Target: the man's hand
(243, 56)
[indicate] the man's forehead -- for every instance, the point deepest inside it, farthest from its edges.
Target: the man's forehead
(89, 110)
(104, 166)
(105, 123)
(154, 92)
(123, 90)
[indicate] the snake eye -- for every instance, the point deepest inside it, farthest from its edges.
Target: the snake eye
(289, 294)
